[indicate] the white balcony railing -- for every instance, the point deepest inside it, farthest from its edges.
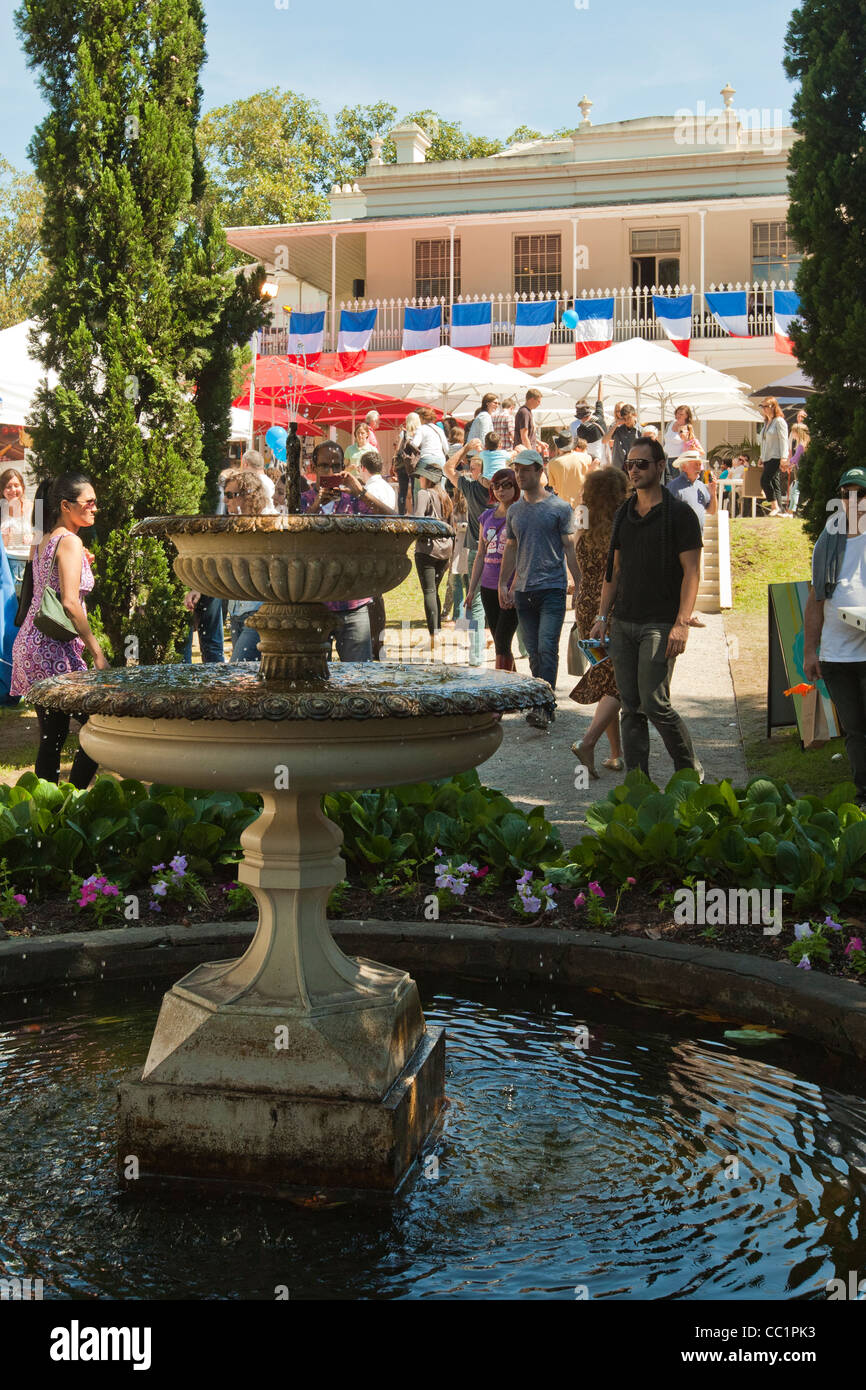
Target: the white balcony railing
(632, 315)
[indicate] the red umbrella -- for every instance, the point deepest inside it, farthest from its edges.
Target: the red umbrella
(307, 395)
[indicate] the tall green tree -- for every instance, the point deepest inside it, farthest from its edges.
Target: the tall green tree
(450, 140)
(22, 266)
(825, 50)
(269, 158)
(131, 302)
(354, 128)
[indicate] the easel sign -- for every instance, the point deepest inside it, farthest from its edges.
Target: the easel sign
(813, 713)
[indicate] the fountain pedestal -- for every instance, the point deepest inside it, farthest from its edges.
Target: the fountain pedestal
(295, 1065)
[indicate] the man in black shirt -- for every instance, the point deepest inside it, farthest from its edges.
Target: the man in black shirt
(653, 572)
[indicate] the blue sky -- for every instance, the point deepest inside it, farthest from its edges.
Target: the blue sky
(491, 64)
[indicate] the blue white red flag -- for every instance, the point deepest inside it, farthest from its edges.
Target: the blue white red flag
(786, 307)
(471, 328)
(356, 330)
(306, 338)
(594, 331)
(533, 323)
(674, 313)
(730, 309)
(422, 329)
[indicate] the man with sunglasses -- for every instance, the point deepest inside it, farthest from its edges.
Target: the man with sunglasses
(653, 572)
(834, 651)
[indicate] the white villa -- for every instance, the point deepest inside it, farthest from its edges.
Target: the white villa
(694, 202)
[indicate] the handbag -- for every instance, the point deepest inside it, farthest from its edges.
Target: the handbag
(25, 594)
(578, 661)
(407, 455)
(52, 620)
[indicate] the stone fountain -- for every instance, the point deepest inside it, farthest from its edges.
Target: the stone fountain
(294, 1066)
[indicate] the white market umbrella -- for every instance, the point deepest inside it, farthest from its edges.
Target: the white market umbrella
(20, 374)
(442, 376)
(648, 372)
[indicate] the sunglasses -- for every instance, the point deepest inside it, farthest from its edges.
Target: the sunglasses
(638, 463)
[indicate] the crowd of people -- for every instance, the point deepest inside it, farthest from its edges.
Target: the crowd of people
(605, 512)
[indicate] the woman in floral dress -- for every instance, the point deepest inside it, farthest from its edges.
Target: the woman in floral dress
(61, 562)
(603, 494)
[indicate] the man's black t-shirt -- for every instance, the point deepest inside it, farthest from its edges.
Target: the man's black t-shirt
(523, 421)
(477, 501)
(589, 431)
(650, 572)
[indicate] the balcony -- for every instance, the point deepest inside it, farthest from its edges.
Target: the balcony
(632, 315)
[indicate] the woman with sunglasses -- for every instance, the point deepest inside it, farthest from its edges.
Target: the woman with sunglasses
(61, 563)
(504, 491)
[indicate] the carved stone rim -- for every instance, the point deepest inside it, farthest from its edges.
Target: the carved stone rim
(361, 692)
(418, 528)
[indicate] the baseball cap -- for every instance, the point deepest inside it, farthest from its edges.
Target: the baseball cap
(855, 477)
(528, 456)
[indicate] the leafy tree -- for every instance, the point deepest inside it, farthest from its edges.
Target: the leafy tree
(523, 132)
(22, 267)
(269, 158)
(825, 49)
(354, 128)
(132, 301)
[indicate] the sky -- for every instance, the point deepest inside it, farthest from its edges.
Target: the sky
(490, 64)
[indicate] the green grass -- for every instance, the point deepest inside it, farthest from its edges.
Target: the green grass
(810, 770)
(767, 550)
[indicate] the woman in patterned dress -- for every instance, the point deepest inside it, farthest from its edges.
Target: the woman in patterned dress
(603, 494)
(60, 561)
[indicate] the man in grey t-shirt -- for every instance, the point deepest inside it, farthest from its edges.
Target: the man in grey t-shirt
(533, 579)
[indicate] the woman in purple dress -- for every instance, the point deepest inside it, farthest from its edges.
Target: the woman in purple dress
(60, 562)
(502, 622)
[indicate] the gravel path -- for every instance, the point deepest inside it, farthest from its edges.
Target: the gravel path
(533, 767)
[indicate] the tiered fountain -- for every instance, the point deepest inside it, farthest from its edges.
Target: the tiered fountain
(295, 1065)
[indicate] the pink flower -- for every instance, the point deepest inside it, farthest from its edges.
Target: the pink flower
(596, 889)
(855, 944)
(580, 900)
(631, 880)
(481, 873)
(20, 899)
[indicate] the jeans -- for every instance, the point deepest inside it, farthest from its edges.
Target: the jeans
(209, 612)
(643, 678)
(403, 485)
(477, 643)
(53, 731)
(351, 635)
(846, 684)
(245, 640)
(541, 613)
(430, 572)
(771, 481)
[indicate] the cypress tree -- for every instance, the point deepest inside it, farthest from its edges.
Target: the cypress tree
(826, 50)
(134, 298)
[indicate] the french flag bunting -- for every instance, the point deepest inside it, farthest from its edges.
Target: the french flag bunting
(306, 338)
(786, 306)
(356, 330)
(422, 329)
(594, 330)
(675, 316)
(729, 308)
(532, 328)
(471, 328)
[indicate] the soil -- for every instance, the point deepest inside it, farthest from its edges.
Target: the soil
(640, 915)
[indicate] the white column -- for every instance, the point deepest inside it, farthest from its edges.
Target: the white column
(333, 291)
(254, 348)
(702, 214)
(451, 279)
(574, 221)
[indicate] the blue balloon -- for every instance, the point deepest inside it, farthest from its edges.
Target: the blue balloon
(276, 441)
(570, 319)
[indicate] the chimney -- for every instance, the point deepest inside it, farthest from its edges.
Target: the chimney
(412, 143)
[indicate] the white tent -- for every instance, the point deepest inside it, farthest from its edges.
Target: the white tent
(648, 373)
(20, 374)
(442, 376)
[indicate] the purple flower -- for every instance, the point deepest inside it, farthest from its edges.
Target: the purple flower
(458, 887)
(154, 907)
(20, 899)
(596, 890)
(159, 890)
(155, 868)
(525, 877)
(580, 900)
(178, 865)
(802, 930)
(855, 944)
(805, 964)
(437, 851)
(834, 926)
(111, 890)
